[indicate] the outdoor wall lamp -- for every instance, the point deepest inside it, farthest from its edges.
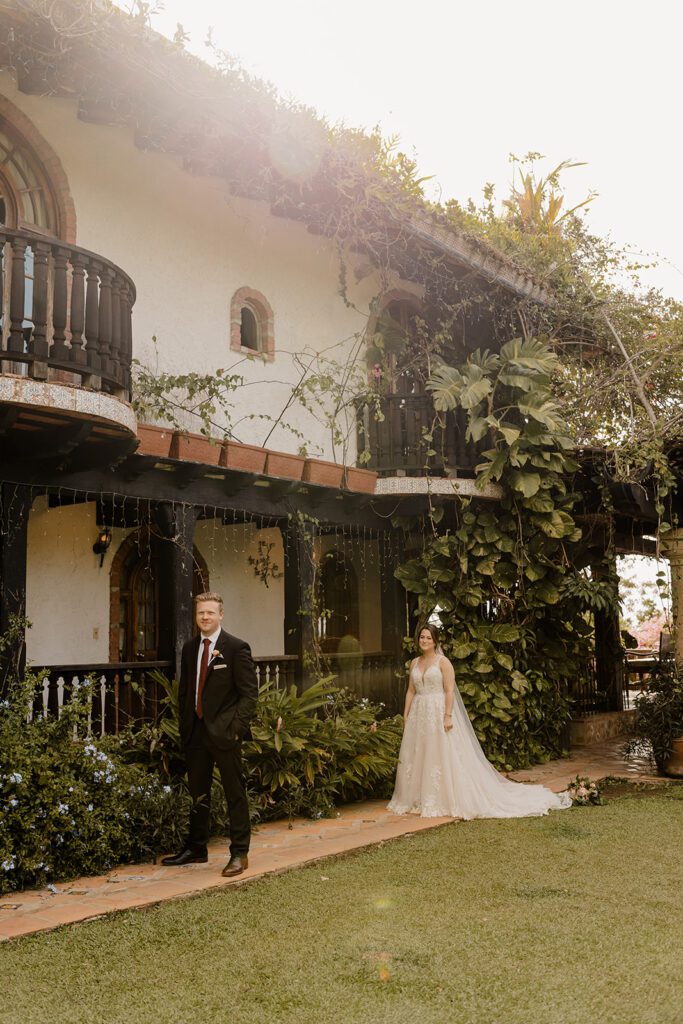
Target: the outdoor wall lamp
(102, 543)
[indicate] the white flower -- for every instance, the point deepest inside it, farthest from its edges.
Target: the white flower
(13, 802)
(16, 778)
(8, 865)
(167, 789)
(90, 807)
(63, 808)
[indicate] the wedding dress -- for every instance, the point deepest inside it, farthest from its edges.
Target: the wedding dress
(446, 774)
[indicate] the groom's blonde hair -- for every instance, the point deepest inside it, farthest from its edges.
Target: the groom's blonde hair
(208, 595)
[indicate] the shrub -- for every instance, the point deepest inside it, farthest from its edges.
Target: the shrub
(659, 715)
(74, 806)
(308, 751)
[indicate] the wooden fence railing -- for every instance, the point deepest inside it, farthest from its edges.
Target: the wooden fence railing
(125, 693)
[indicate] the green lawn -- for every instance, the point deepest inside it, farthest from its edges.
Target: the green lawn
(570, 919)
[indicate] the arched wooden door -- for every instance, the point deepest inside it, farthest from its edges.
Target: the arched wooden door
(136, 602)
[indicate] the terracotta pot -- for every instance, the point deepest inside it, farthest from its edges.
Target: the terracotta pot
(674, 766)
(357, 479)
(282, 464)
(245, 457)
(327, 474)
(195, 448)
(154, 440)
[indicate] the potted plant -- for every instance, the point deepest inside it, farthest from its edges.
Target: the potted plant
(154, 440)
(658, 721)
(247, 458)
(326, 474)
(284, 464)
(357, 479)
(195, 448)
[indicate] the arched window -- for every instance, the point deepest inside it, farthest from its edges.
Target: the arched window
(31, 198)
(34, 191)
(397, 320)
(251, 324)
(250, 329)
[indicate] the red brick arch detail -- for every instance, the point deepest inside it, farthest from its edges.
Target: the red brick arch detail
(50, 164)
(133, 541)
(264, 310)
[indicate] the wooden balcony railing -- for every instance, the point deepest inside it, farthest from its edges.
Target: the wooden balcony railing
(64, 308)
(398, 443)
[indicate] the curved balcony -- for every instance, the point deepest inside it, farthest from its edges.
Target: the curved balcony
(65, 308)
(65, 348)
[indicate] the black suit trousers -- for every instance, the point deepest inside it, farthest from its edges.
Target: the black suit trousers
(200, 756)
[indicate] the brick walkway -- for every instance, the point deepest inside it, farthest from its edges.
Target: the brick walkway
(275, 848)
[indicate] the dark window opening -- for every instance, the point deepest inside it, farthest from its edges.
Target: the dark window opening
(250, 334)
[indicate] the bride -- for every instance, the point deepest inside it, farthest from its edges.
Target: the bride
(442, 770)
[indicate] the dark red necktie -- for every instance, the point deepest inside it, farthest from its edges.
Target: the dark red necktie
(203, 668)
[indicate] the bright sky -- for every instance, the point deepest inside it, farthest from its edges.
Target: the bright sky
(466, 83)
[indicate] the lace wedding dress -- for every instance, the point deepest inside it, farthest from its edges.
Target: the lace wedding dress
(446, 774)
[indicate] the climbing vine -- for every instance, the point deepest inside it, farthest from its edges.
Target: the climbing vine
(505, 577)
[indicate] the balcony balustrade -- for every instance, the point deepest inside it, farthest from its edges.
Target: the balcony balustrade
(66, 309)
(399, 441)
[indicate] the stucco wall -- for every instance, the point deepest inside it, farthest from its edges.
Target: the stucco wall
(189, 245)
(253, 612)
(67, 593)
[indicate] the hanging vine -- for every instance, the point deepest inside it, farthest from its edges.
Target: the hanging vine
(506, 578)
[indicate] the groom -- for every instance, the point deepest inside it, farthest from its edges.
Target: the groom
(217, 697)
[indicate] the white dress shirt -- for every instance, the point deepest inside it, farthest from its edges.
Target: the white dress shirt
(213, 638)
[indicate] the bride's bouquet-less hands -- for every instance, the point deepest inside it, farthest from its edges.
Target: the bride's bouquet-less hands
(583, 791)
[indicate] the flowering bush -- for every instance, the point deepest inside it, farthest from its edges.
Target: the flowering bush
(71, 807)
(583, 791)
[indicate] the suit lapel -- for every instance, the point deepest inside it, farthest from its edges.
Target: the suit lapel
(218, 650)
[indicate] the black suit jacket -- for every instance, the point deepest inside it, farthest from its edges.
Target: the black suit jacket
(230, 690)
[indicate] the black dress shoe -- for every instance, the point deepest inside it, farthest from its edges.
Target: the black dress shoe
(236, 865)
(184, 857)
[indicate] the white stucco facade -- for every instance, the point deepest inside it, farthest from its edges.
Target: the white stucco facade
(189, 245)
(67, 593)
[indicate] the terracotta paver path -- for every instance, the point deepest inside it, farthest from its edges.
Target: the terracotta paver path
(275, 848)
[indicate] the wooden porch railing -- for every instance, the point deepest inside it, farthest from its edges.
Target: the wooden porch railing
(125, 693)
(64, 308)
(396, 442)
(588, 697)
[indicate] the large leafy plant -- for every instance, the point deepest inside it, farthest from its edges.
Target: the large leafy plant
(503, 576)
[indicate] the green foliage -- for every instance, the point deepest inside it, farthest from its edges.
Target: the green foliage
(504, 577)
(659, 715)
(309, 751)
(312, 750)
(72, 806)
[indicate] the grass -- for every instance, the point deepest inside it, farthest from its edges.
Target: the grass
(569, 919)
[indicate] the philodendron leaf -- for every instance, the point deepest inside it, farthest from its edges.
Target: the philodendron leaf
(504, 633)
(510, 434)
(527, 484)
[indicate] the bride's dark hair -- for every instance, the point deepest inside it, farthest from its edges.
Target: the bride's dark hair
(431, 628)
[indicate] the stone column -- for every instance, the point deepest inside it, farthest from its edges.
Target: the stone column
(672, 549)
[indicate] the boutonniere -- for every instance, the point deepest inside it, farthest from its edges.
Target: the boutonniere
(215, 654)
